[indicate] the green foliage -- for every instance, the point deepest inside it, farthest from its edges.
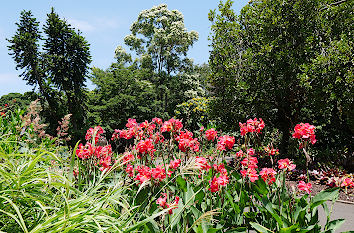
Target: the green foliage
(58, 70)
(285, 61)
(121, 93)
(161, 40)
(17, 100)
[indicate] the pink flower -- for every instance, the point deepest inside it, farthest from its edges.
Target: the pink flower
(347, 182)
(226, 142)
(158, 173)
(302, 186)
(305, 131)
(271, 151)
(211, 134)
(162, 200)
(172, 125)
(145, 146)
(251, 173)
(144, 174)
(239, 153)
(251, 126)
(173, 205)
(286, 164)
(174, 164)
(157, 120)
(202, 163)
(94, 132)
(268, 175)
(130, 170)
(250, 151)
(131, 123)
(250, 162)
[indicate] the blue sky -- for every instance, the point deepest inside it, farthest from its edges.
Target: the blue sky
(104, 24)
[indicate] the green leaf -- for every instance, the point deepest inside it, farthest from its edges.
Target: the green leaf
(289, 229)
(335, 224)
(182, 184)
(323, 196)
(260, 228)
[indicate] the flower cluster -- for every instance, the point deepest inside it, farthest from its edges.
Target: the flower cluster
(187, 142)
(286, 164)
(162, 202)
(225, 143)
(211, 134)
(100, 155)
(305, 131)
(302, 186)
(220, 179)
(251, 126)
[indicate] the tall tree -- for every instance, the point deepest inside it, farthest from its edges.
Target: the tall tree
(260, 61)
(61, 65)
(161, 41)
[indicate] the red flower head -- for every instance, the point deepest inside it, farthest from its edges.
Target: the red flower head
(268, 175)
(202, 163)
(211, 134)
(305, 131)
(251, 173)
(158, 173)
(174, 164)
(250, 162)
(347, 182)
(162, 200)
(157, 120)
(302, 186)
(251, 126)
(145, 146)
(226, 142)
(172, 125)
(286, 164)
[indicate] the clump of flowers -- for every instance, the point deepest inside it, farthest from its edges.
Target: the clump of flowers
(225, 142)
(252, 126)
(302, 186)
(268, 175)
(305, 131)
(162, 202)
(211, 134)
(286, 164)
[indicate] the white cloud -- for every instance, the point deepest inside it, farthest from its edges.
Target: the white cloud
(94, 24)
(82, 25)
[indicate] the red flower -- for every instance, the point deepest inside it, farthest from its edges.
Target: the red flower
(158, 173)
(130, 170)
(162, 200)
(174, 164)
(173, 205)
(251, 173)
(302, 186)
(268, 175)
(172, 125)
(94, 132)
(211, 134)
(347, 182)
(202, 163)
(216, 182)
(144, 174)
(239, 153)
(251, 126)
(286, 164)
(250, 151)
(305, 131)
(157, 120)
(145, 146)
(250, 162)
(226, 142)
(105, 163)
(128, 156)
(131, 123)
(271, 151)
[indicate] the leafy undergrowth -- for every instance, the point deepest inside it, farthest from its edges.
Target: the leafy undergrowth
(167, 180)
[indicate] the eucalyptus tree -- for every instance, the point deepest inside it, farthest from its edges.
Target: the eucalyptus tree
(161, 41)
